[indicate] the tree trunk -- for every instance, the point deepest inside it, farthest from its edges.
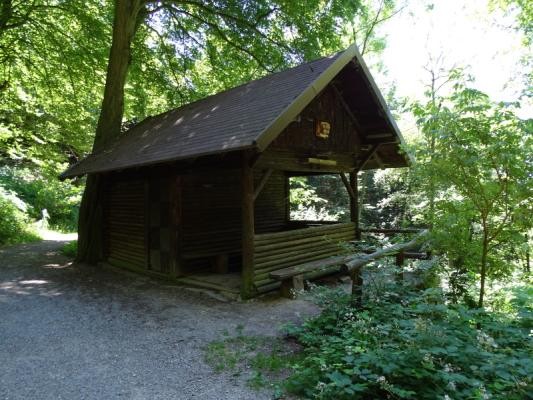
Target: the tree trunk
(483, 269)
(128, 15)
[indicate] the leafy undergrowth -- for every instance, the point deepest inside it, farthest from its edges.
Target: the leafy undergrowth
(70, 249)
(15, 226)
(402, 345)
(411, 345)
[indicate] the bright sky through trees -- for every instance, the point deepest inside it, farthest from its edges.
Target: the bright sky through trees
(466, 34)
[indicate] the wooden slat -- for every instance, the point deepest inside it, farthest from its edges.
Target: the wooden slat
(304, 231)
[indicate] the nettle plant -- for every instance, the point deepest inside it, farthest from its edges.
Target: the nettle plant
(410, 345)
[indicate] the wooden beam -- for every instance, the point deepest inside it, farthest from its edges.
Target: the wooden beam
(354, 204)
(348, 186)
(339, 95)
(321, 161)
(367, 157)
(262, 182)
(379, 161)
(247, 199)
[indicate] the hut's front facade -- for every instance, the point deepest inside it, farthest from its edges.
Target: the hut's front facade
(201, 193)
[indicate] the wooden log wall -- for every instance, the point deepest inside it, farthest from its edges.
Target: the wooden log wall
(270, 205)
(211, 214)
(273, 251)
(125, 229)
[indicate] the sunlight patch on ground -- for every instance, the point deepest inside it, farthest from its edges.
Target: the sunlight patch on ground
(33, 282)
(58, 236)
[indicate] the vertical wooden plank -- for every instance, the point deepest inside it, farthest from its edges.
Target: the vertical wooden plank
(247, 184)
(400, 259)
(287, 200)
(147, 221)
(357, 287)
(354, 204)
(177, 253)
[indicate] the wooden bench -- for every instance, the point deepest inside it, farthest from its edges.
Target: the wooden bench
(292, 278)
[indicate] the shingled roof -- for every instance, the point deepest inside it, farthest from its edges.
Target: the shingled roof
(248, 116)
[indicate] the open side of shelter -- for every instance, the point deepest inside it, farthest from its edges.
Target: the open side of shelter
(201, 194)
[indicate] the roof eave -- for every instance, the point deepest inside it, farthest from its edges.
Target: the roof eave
(69, 175)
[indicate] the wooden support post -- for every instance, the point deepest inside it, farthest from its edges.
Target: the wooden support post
(347, 185)
(354, 204)
(262, 183)
(292, 286)
(247, 198)
(400, 258)
(357, 287)
(370, 153)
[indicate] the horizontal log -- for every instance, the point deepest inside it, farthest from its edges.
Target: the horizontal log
(122, 244)
(391, 230)
(341, 237)
(206, 254)
(126, 249)
(304, 231)
(282, 253)
(135, 261)
(323, 235)
(268, 287)
(319, 254)
(121, 263)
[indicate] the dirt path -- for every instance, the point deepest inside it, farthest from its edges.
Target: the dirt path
(68, 332)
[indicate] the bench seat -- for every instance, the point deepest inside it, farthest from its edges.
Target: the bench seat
(292, 278)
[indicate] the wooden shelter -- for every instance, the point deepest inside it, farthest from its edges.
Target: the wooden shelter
(201, 193)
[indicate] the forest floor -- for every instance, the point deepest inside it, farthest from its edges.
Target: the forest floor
(76, 332)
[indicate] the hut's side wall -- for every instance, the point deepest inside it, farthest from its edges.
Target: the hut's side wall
(125, 218)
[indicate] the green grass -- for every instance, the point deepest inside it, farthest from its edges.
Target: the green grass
(268, 358)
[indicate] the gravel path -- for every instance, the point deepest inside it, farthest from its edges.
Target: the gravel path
(69, 332)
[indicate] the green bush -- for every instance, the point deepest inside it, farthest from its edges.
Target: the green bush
(411, 345)
(70, 249)
(14, 223)
(44, 192)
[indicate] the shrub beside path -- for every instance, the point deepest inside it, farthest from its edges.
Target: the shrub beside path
(76, 332)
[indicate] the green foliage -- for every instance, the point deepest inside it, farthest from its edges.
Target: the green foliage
(70, 249)
(15, 226)
(474, 167)
(411, 345)
(307, 204)
(44, 192)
